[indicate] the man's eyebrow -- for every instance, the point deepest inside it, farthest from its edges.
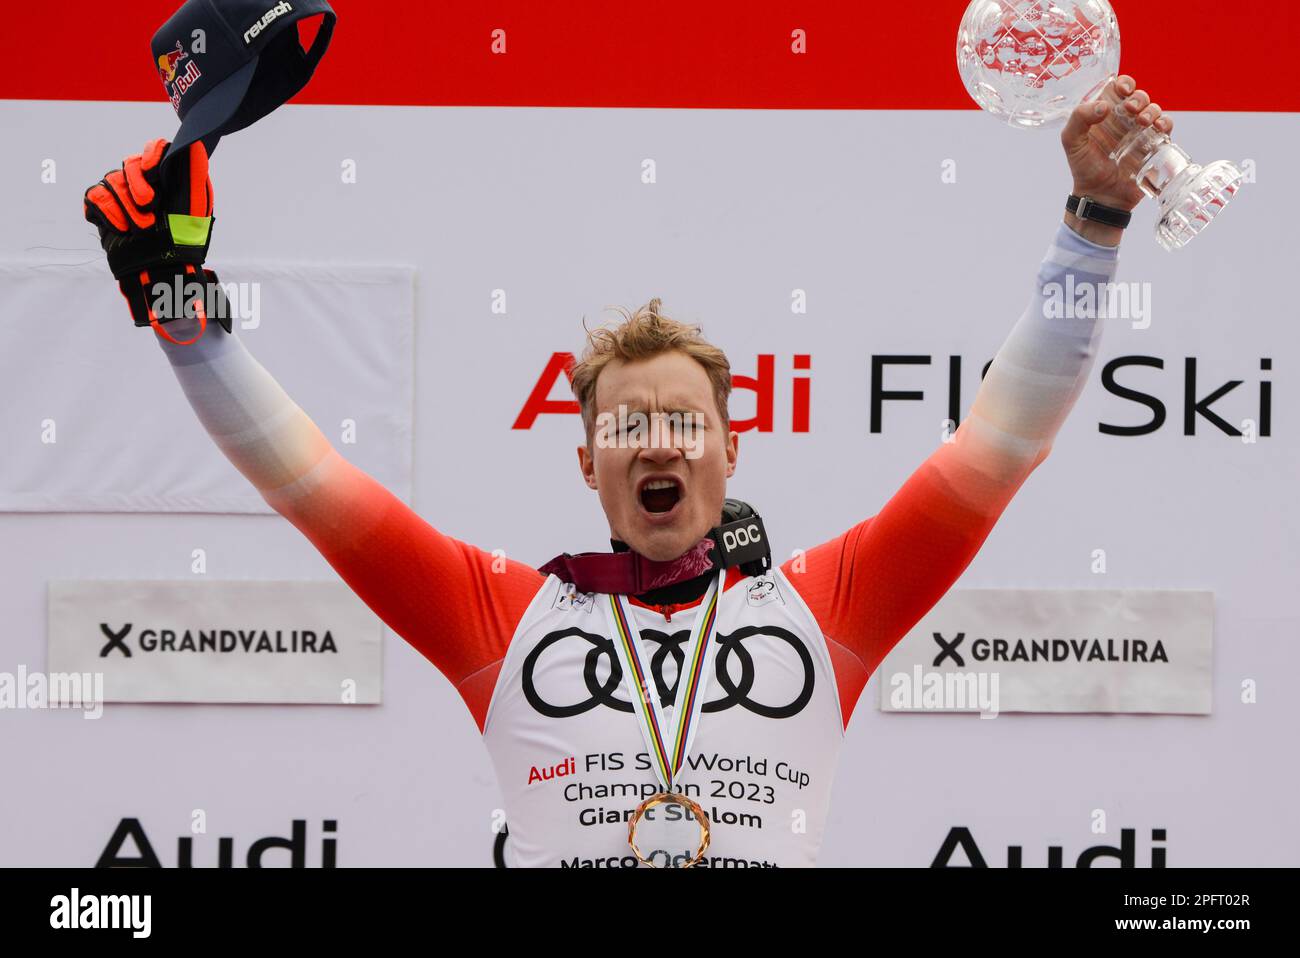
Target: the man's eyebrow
(682, 414)
(677, 405)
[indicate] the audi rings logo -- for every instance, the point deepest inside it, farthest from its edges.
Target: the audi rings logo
(731, 657)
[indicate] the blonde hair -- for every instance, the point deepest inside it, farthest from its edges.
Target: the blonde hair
(645, 334)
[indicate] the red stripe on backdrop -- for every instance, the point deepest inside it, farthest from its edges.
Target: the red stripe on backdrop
(665, 53)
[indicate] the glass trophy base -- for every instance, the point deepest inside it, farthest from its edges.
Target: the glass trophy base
(1189, 195)
(1191, 202)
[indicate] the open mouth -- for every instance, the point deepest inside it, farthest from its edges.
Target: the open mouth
(660, 496)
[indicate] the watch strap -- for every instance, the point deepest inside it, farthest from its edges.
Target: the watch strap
(1086, 208)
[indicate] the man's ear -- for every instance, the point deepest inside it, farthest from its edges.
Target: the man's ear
(733, 452)
(587, 465)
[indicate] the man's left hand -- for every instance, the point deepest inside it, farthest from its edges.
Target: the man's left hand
(1095, 173)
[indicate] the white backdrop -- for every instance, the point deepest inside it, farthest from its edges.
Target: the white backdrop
(355, 323)
(548, 205)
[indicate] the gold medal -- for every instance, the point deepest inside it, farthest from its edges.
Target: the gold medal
(669, 830)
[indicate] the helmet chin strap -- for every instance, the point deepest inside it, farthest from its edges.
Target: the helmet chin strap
(740, 540)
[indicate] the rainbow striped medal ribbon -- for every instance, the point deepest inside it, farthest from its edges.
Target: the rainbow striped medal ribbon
(668, 829)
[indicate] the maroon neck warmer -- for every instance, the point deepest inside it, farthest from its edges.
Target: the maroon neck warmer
(629, 573)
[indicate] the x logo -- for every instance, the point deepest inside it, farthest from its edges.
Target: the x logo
(114, 640)
(949, 649)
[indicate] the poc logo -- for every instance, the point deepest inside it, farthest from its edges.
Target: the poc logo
(744, 536)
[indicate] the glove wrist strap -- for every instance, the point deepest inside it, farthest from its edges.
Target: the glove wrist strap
(165, 293)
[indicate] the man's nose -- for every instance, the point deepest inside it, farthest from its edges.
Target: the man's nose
(662, 444)
(660, 453)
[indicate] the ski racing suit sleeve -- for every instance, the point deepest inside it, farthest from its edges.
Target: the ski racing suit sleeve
(439, 594)
(870, 585)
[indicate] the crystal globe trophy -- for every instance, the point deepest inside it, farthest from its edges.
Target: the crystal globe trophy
(1031, 62)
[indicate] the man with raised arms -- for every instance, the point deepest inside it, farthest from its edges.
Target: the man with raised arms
(751, 671)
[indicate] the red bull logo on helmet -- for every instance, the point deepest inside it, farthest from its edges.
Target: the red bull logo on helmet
(167, 63)
(175, 80)
(182, 83)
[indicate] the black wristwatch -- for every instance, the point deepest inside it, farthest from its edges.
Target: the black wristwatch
(1086, 208)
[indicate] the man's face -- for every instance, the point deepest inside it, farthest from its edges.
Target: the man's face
(659, 457)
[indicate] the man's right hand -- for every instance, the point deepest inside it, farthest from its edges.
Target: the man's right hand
(155, 229)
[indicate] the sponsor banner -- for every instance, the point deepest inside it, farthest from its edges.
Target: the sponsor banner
(1056, 650)
(203, 641)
